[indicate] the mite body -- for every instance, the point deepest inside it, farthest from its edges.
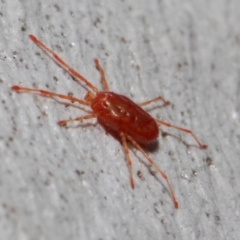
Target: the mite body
(121, 114)
(116, 112)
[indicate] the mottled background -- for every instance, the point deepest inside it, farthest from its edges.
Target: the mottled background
(58, 183)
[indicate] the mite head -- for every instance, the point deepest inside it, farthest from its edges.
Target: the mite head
(89, 97)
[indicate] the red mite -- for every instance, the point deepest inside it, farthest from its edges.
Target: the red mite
(116, 113)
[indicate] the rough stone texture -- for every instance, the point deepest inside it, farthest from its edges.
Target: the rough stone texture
(58, 183)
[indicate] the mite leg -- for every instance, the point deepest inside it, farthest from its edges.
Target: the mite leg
(48, 94)
(104, 81)
(155, 100)
(129, 162)
(202, 146)
(62, 63)
(64, 122)
(135, 144)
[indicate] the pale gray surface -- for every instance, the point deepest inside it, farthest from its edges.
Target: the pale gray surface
(187, 51)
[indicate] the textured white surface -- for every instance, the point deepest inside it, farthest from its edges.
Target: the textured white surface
(58, 183)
